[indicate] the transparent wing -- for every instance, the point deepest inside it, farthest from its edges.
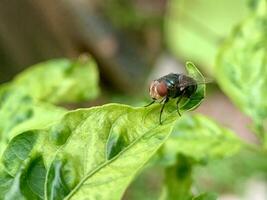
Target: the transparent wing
(196, 81)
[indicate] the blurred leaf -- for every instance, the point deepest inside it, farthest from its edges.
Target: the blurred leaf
(147, 185)
(136, 15)
(195, 29)
(231, 174)
(105, 148)
(194, 139)
(60, 80)
(242, 66)
(131, 18)
(206, 196)
(23, 102)
(178, 180)
(200, 138)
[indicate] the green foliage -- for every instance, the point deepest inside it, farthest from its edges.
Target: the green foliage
(231, 173)
(24, 102)
(121, 138)
(194, 140)
(93, 153)
(178, 179)
(206, 196)
(60, 80)
(195, 29)
(201, 139)
(105, 148)
(241, 67)
(48, 152)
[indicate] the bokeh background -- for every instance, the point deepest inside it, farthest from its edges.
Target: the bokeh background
(133, 42)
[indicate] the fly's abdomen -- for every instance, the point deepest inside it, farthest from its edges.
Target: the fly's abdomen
(190, 90)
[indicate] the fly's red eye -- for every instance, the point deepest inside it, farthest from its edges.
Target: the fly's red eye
(162, 89)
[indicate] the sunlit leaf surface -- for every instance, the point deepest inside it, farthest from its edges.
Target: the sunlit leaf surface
(92, 153)
(88, 153)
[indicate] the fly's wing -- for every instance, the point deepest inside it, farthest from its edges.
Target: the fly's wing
(195, 77)
(194, 81)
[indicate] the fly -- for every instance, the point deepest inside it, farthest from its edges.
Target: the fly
(173, 86)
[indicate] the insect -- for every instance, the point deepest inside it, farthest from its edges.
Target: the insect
(172, 86)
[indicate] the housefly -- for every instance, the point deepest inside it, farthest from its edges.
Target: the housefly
(173, 86)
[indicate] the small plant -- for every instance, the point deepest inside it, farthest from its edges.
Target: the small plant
(48, 152)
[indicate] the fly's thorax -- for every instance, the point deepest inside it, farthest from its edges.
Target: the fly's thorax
(158, 89)
(172, 82)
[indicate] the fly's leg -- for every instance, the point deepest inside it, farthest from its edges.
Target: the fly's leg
(154, 100)
(150, 103)
(161, 110)
(162, 100)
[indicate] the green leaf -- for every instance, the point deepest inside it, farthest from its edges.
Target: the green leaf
(60, 80)
(195, 100)
(102, 150)
(92, 153)
(242, 66)
(108, 148)
(21, 116)
(149, 179)
(23, 102)
(232, 173)
(206, 196)
(200, 138)
(194, 29)
(178, 179)
(194, 139)
(27, 183)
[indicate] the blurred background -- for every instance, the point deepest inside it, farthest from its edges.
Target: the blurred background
(133, 42)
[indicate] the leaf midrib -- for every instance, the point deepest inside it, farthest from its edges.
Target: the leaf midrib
(108, 162)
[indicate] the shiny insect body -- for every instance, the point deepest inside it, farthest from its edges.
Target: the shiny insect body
(172, 86)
